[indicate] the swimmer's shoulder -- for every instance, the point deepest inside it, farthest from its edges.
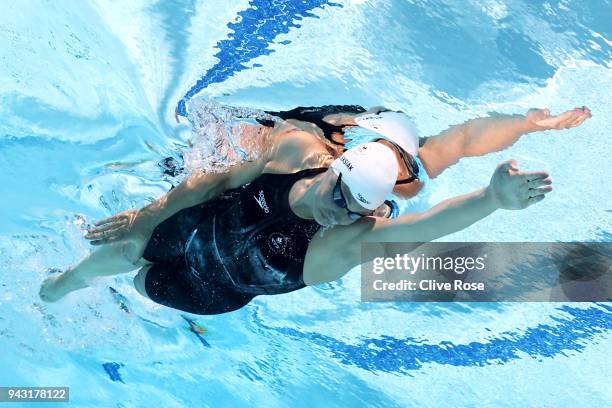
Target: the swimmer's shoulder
(294, 151)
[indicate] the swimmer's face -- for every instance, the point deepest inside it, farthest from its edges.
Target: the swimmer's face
(327, 212)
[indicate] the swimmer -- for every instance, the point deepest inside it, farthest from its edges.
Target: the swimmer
(421, 159)
(217, 240)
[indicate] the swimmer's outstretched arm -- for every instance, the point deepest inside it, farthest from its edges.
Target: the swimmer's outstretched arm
(480, 136)
(508, 189)
(340, 249)
(138, 225)
(202, 187)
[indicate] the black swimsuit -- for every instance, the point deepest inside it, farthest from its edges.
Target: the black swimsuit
(215, 257)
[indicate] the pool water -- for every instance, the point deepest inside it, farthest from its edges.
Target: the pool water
(88, 92)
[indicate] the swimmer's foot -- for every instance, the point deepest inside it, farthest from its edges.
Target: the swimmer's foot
(59, 285)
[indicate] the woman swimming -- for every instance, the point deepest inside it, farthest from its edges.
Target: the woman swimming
(420, 159)
(219, 239)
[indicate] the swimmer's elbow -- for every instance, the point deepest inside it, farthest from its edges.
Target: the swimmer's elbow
(206, 186)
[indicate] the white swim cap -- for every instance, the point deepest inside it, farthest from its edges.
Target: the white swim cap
(369, 170)
(393, 126)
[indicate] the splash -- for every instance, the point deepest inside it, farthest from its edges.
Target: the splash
(224, 135)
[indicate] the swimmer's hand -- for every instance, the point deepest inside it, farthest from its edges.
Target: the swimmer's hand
(542, 118)
(131, 225)
(512, 189)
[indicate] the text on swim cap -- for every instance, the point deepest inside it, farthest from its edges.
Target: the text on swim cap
(362, 198)
(347, 163)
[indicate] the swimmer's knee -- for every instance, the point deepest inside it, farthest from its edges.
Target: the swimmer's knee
(140, 279)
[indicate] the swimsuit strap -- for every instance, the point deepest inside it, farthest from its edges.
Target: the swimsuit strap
(291, 179)
(315, 115)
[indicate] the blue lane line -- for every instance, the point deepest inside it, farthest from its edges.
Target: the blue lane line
(253, 31)
(391, 354)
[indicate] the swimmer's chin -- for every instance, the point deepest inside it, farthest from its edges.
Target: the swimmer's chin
(324, 223)
(323, 220)
(327, 223)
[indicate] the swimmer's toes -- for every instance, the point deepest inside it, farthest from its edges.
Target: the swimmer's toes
(51, 271)
(49, 290)
(46, 289)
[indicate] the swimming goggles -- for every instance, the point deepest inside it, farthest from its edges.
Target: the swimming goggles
(340, 201)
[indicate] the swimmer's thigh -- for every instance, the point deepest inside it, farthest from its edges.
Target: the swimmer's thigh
(173, 285)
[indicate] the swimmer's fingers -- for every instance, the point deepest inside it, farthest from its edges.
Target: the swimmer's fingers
(543, 119)
(586, 114)
(105, 220)
(531, 194)
(574, 118)
(531, 176)
(124, 216)
(535, 199)
(538, 182)
(577, 122)
(111, 219)
(116, 231)
(110, 223)
(578, 116)
(565, 120)
(105, 238)
(104, 241)
(119, 223)
(569, 118)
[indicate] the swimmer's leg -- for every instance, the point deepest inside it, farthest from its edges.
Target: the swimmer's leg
(106, 260)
